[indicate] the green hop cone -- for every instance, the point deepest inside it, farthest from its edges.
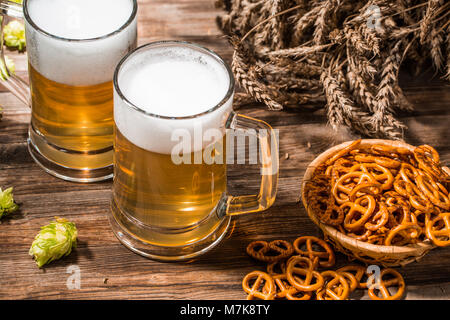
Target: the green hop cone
(11, 67)
(54, 241)
(7, 204)
(14, 35)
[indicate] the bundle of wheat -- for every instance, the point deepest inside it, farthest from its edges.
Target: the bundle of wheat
(345, 54)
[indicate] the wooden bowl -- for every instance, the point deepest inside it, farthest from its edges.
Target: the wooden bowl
(355, 249)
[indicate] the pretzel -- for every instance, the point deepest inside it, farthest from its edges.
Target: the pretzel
(405, 189)
(332, 215)
(345, 184)
(371, 169)
(268, 290)
(299, 279)
(428, 160)
(363, 236)
(351, 280)
(434, 191)
(359, 212)
(281, 264)
(336, 288)
(270, 251)
(394, 152)
(303, 278)
(343, 152)
(399, 214)
(366, 188)
(325, 258)
(401, 230)
(422, 218)
(357, 271)
(285, 290)
(440, 235)
(383, 161)
(408, 173)
(379, 219)
(383, 285)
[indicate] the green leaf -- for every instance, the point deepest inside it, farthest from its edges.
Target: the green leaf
(7, 204)
(54, 241)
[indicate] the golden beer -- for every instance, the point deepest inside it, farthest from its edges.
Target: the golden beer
(172, 112)
(165, 195)
(76, 118)
(72, 55)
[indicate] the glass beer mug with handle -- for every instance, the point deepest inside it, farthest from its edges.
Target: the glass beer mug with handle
(73, 48)
(173, 126)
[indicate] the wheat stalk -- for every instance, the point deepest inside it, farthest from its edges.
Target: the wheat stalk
(294, 53)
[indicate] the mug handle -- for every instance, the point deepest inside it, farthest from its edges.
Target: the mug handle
(268, 146)
(12, 82)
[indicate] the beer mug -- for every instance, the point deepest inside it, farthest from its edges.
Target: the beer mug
(174, 124)
(73, 48)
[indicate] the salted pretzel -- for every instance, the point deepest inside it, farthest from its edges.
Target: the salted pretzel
(332, 215)
(377, 172)
(358, 212)
(285, 290)
(326, 258)
(383, 284)
(434, 191)
(336, 287)
(351, 280)
(272, 267)
(379, 219)
(438, 229)
(405, 231)
(428, 160)
(357, 271)
(254, 291)
(382, 161)
(270, 251)
(344, 151)
(389, 151)
(345, 184)
(298, 278)
(384, 195)
(301, 274)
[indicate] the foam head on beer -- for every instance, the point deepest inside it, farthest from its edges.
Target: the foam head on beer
(172, 80)
(80, 19)
(175, 82)
(79, 62)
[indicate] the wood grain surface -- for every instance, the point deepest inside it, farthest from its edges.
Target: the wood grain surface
(110, 271)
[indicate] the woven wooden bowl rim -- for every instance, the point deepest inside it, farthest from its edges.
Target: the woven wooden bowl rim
(412, 250)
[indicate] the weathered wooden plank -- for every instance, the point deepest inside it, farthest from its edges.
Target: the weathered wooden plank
(218, 274)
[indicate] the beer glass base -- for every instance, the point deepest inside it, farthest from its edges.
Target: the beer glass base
(63, 172)
(162, 253)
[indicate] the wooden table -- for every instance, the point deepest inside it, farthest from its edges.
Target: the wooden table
(109, 270)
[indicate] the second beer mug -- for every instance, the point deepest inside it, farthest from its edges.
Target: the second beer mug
(173, 116)
(73, 47)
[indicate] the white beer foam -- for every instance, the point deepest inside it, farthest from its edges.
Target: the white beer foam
(171, 81)
(79, 63)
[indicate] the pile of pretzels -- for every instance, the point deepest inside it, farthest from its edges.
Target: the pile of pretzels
(301, 271)
(383, 195)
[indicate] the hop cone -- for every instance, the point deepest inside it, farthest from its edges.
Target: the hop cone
(14, 35)
(54, 241)
(7, 204)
